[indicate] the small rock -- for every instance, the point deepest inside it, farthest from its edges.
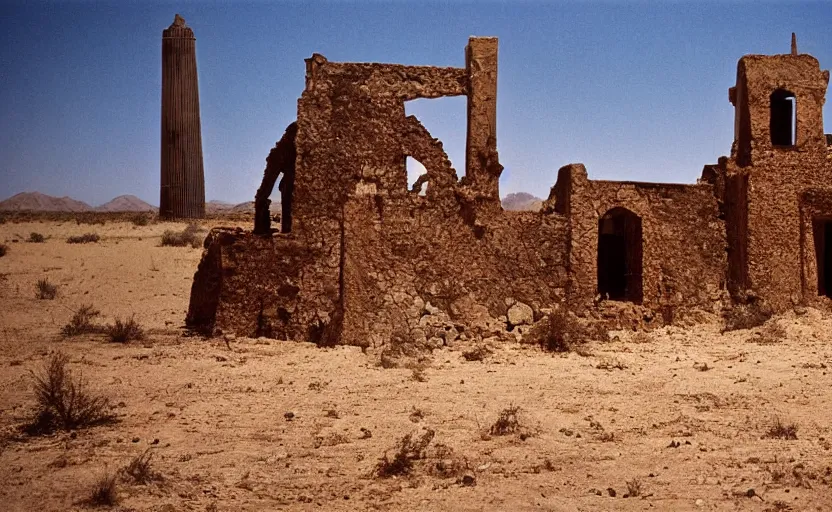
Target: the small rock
(611, 492)
(136, 439)
(469, 481)
(289, 416)
(700, 502)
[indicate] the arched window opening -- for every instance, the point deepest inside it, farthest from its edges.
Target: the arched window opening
(417, 176)
(783, 120)
(620, 256)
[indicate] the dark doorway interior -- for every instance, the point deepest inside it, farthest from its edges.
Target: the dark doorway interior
(620, 256)
(783, 118)
(823, 253)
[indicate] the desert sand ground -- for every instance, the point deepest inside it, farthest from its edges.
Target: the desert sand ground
(682, 413)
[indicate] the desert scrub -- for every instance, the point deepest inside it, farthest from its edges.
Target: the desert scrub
(780, 430)
(140, 471)
(86, 238)
(104, 492)
(63, 400)
(188, 236)
(45, 290)
(140, 219)
(125, 331)
(36, 238)
(559, 331)
(82, 322)
(508, 422)
(408, 450)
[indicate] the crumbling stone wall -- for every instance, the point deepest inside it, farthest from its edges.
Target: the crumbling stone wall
(683, 239)
(766, 231)
(367, 261)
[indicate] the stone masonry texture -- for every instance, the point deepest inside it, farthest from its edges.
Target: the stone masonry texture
(365, 260)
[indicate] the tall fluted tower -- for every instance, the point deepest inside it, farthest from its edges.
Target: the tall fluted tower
(183, 176)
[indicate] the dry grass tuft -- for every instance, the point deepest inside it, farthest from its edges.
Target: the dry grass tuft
(86, 238)
(104, 491)
(188, 236)
(36, 238)
(65, 401)
(140, 471)
(82, 322)
(780, 430)
(634, 488)
(508, 422)
(408, 450)
(45, 290)
(125, 331)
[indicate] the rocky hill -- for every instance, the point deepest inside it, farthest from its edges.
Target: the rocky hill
(522, 201)
(126, 203)
(35, 201)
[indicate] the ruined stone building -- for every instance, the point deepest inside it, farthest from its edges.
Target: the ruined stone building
(182, 191)
(360, 258)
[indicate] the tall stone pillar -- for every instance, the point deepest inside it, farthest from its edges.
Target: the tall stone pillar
(482, 165)
(183, 176)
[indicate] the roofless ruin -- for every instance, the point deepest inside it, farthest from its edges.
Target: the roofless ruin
(359, 258)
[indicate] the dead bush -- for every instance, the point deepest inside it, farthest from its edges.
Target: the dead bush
(188, 236)
(140, 471)
(86, 238)
(36, 238)
(82, 322)
(45, 290)
(90, 218)
(123, 331)
(508, 422)
(408, 450)
(780, 430)
(753, 313)
(140, 219)
(3, 250)
(104, 491)
(634, 488)
(559, 331)
(64, 401)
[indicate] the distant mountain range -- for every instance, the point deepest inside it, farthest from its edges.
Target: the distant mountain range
(35, 201)
(522, 201)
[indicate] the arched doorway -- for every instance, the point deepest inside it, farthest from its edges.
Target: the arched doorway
(620, 256)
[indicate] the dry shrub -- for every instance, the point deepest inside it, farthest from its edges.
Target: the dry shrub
(753, 313)
(508, 422)
(409, 449)
(444, 462)
(188, 236)
(36, 238)
(125, 331)
(90, 218)
(45, 290)
(140, 471)
(82, 322)
(104, 491)
(140, 219)
(65, 401)
(634, 488)
(3, 250)
(86, 238)
(559, 331)
(780, 430)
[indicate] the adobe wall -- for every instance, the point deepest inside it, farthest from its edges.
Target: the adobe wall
(777, 176)
(684, 260)
(403, 260)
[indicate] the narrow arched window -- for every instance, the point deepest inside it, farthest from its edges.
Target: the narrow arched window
(783, 120)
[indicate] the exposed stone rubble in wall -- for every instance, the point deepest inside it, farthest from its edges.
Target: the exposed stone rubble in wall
(373, 264)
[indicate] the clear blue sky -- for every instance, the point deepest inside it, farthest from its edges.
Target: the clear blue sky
(636, 91)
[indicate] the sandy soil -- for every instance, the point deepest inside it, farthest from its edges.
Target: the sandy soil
(682, 413)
